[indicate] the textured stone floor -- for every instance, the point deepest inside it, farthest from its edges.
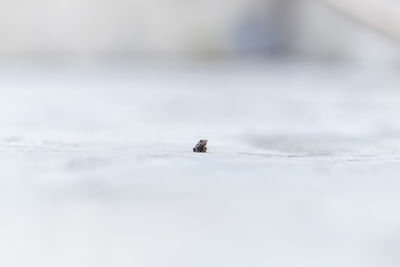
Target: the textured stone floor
(96, 167)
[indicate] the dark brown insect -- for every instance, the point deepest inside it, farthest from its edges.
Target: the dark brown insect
(201, 146)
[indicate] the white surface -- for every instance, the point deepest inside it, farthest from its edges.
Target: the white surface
(97, 169)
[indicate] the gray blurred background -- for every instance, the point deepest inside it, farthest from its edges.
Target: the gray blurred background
(334, 30)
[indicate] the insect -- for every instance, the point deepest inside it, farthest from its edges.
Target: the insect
(201, 146)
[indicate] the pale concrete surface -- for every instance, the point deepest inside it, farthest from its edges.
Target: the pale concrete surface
(97, 169)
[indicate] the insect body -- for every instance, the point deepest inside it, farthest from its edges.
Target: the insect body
(201, 146)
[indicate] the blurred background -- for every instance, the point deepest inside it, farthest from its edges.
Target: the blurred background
(355, 31)
(101, 103)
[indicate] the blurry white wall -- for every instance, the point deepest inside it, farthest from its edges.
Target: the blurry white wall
(333, 33)
(178, 28)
